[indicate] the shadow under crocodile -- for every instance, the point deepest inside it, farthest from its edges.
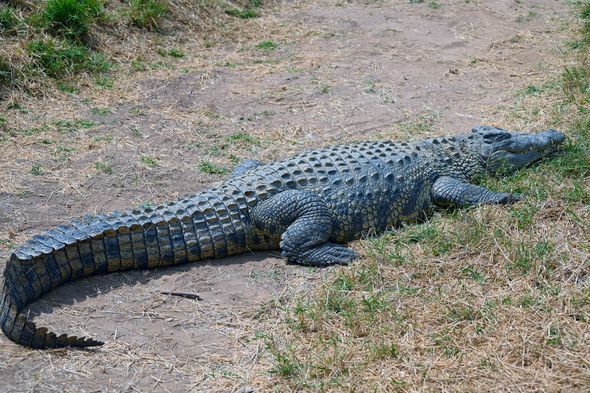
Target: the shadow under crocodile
(229, 286)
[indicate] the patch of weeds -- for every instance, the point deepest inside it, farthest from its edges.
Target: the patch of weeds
(286, 363)
(6, 243)
(532, 89)
(8, 19)
(23, 194)
(525, 215)
(325, 88)
(247, 12)
(72, 125)
(100, 111)
(528, 17)
(435, 5)
(462, 313)
(71, 18)
(527, 256)
(384, 349)
(36, 170)
(528, 301)
(295, 69)
(147, 13)
(370, 86)
(228, 64)
(150, 162)
(105, 82)
(217, 150)
(445, 343)
(554, 336)
(68, 88)
(137, 111)
(6, 73)
(472, 273)
(267, 45)
(58, 58)
(373, 303)
(344, 282)
(177, 53)
(578, 192)
(242, 138)
(135, 132)
(139, 64)
(84, 123)
(212, 169)
(104, 167)
(62, 153)
(576, 82)
(339, 302)
(233, 158)
(436, 239)
(243, 13)
(103, 138)
(174, 52)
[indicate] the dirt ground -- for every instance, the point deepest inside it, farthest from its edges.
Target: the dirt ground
(334, 71)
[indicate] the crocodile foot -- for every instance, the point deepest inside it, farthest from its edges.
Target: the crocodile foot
(325, 254)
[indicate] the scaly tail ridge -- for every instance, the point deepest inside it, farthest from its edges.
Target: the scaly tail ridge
(207, 225)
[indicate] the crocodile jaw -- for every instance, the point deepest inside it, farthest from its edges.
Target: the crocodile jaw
(506, 152)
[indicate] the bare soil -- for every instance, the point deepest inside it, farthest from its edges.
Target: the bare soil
(340, 71)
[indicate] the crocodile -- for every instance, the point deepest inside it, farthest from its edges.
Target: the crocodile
(308, 206)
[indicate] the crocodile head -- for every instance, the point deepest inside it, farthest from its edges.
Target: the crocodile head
(505, 152)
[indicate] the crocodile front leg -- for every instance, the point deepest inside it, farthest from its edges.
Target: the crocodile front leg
(305, 224)
(448, 191)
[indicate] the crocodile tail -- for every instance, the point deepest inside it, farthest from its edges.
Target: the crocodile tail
(205, 226)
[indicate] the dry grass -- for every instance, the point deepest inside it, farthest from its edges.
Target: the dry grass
(484, 299)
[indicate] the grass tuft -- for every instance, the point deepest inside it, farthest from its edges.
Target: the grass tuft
(8, 19)
(71, 18)
(59, 58)
(212, 169)
(147, 13)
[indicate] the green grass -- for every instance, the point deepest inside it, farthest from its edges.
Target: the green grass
(212, 169)
(36, 170)
(247, 12)
(465, 283)
(434, 4)
(267, 45)
(59, 58)
(8, 19)
(173, 52)
(104, 167)
(62, 153)
(242, 13)
(71, 18)
(242, 138)
(150, 162)
(147, 13)
(6, 72)
(100, 111)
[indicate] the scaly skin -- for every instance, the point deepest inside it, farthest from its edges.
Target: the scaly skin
(305, 205)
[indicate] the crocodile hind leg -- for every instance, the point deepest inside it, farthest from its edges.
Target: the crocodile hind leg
(305, 224)
(448, 191)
